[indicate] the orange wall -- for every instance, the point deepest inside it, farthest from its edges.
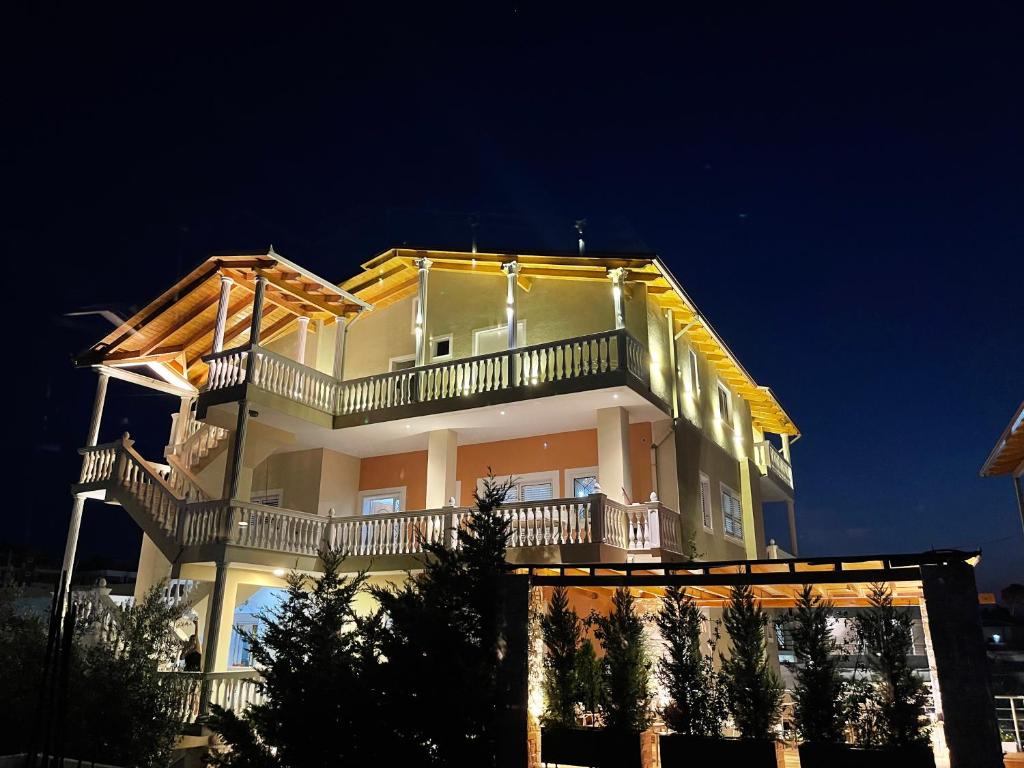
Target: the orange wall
(542, 453)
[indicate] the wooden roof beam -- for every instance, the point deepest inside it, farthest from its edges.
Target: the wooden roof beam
(300, 295)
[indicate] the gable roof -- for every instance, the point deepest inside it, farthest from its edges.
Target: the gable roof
(1008, 453)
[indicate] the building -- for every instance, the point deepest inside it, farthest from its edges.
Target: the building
(1007, 457)
(366, 415)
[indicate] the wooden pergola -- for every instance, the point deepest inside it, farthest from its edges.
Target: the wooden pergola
(177, 329)
(941, 582)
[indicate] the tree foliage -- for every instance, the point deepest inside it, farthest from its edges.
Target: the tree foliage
(561, 630)
(123, 707)
(317, 657)
(696, 699)
(440, 633)
(898, 697)
(753, 691)
(819, 691)
(22, 649)
(627, 695)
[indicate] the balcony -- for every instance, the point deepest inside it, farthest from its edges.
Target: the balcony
(776, 472)
(597, 361)
(188, 527)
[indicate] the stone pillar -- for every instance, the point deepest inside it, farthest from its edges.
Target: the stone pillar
(785, 448)
(512, 724)
(222, 313)
(613, 460)
(794, 548)
(257, 310)
(300, 340)
(423, 265)
(618, 277)
(511, 270)
(442, 458)
(77, 508)
(954, 626)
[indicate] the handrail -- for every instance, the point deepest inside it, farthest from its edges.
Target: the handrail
(768, 457)
(558, 360)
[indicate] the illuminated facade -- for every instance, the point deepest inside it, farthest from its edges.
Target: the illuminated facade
(365, 416)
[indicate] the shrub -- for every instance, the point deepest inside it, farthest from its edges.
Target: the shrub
(627, 695)
(819, 691)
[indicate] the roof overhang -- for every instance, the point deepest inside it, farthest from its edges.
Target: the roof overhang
(392, 276)
(171, 334)
(1007, 457)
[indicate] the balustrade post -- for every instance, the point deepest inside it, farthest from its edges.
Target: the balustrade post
(653, 527)
(597, 518)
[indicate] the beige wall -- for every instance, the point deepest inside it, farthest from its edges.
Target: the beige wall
(313, 481)
(378, 336)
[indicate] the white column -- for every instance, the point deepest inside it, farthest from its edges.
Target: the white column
(257, 310)
(300, 340)
(75, 524)
(785, 448)
(222, 313)
(791, 516)
(511, 270)
(423, 265)
(618, 276)
(340, 332)
(442, 458)
(613, 460)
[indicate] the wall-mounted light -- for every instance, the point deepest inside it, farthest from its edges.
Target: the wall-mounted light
(279, 572)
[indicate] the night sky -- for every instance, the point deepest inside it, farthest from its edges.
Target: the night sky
(840, 192)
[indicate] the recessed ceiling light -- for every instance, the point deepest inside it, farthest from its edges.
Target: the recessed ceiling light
(615, 396)
(408, 426)
(279, 572)
(502, 413)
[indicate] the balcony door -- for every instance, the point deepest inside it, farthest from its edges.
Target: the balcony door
(487, 341)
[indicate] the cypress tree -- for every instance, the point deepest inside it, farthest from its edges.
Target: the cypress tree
(696, 700)
(752, 689)
(627, 695)
(561, 629)
(819, 691)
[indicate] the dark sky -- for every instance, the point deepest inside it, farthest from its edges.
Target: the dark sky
(840, 190)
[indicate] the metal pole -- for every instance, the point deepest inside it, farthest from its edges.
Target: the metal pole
(213, 635)
(511, 270)
(257, 310)
(423, 265)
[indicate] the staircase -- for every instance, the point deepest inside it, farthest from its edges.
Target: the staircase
(145, 492)
(201, 444)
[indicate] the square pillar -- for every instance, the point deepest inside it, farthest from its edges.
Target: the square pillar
(958, 646)
(791, 518)
(613, 461)
(442, 459)
(753, 522)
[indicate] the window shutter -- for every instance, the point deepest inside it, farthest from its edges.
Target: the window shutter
(537, 491)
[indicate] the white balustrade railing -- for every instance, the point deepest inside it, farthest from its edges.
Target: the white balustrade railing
(202, 439)
(768, 458)
(98, 462)
(523, 367)
(640, 527)
(280, 530)
(235, 690)
(149, 490)
(206, 523)
(551, 522)
(293, 380)
(227, 368)
(396, 534)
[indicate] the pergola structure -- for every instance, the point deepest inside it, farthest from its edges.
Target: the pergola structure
(941, 583)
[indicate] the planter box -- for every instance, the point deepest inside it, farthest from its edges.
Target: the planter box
(593, 747)
(689, 751)
(848, 756)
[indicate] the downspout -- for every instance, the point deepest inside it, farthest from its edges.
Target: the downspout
(344, 349)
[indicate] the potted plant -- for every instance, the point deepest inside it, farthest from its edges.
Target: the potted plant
(625, 697)
(752, 689)
(819, 692)
(696, 708)
(887, 711)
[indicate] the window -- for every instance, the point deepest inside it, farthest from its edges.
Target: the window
(705, 502)
(581, 482)
(383, 501)
(441, 347)
(724, 404)
(693, 384)
(488, 340)
(534, 486)
(267, 498)
(732, 513)
(401, 363)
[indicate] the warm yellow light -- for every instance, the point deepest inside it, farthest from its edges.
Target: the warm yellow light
(279, 572)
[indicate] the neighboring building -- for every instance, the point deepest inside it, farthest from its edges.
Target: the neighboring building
(1007, 457)
(365, 416)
